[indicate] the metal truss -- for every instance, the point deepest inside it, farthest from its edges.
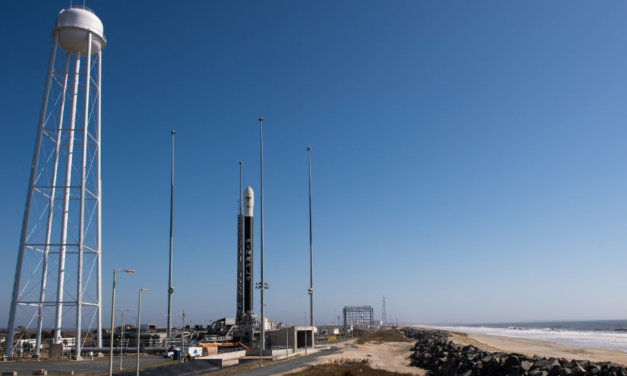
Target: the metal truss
(361, 317)
(57, 277)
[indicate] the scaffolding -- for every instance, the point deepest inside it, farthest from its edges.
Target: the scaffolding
(358, 317)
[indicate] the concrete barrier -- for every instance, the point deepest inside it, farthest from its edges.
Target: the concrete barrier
(40, 372)
(223, 362)
(9, 373)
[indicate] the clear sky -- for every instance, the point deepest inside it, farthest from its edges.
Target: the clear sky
(468, 157)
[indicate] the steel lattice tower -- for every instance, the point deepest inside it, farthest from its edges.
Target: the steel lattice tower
(57, 277)
(383, 318)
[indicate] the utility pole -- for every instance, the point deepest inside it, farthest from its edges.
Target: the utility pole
(170, 288)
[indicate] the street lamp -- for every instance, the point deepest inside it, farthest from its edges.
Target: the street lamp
(139, 314)
(112, 316)
(122, 337)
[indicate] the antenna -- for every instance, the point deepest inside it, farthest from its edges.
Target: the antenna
(383, 318)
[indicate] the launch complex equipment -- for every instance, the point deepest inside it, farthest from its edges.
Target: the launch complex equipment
(60, 235)
(245, 327)
(361, 317)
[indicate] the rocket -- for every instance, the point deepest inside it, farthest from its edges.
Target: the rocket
(249, 203)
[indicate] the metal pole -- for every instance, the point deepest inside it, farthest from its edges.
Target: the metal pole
(263, 332)
(53, 183)
(66, 202)
(112, 317)
(311, 286)
(112, 327)
(122, 337)
(139, 313)
(305, 332)
(81, 223)
(33, 176)
(184, 314)
(170, 288)
(99, 203)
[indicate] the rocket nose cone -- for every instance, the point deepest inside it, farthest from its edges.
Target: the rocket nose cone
(249, 201)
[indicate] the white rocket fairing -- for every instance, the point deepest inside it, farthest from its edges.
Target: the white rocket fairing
(249, 202)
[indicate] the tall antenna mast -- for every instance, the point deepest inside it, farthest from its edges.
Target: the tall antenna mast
(170, 288)
(383, 318)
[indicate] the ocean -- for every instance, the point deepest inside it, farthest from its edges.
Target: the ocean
(609, 334)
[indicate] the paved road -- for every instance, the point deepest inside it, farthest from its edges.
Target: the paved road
(288, 365)
(100, 365)
(86, 365)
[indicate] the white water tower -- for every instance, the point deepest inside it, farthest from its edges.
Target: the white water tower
(57, 276)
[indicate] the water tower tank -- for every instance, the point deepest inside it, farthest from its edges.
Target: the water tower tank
(74, 25)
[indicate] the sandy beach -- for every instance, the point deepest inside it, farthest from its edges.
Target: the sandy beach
(394, 356)
(540, 348)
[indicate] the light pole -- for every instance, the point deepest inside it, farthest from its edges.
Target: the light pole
(287, 339)
(184, 314)
(305, 332)
(112, 316)
(170, 288)
(263, 284)
(122, 337)
(139, 314)
(311, 285)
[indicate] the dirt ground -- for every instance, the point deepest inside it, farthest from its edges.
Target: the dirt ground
(391, 356)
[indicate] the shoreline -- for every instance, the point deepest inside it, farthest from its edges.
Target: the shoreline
(530, 347)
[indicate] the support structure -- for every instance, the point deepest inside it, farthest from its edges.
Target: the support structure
(358, 317)
(240, 254)
(383, 318)
(61, 238)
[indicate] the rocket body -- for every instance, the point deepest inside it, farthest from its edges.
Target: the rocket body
(249, 203)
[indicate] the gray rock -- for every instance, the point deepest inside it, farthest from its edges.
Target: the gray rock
(564, 372)
(525, 365)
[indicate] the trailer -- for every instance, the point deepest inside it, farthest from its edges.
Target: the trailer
(193, 351)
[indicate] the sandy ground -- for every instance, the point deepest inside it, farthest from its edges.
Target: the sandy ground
(392, 356)
(541, 348)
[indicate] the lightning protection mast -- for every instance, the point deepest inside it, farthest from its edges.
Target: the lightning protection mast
(60, 239)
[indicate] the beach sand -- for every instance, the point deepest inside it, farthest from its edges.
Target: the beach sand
(391, 356)
(540, 348)
(394, 356)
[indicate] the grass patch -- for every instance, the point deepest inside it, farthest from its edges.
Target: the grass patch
(345, 368)
(391, 335)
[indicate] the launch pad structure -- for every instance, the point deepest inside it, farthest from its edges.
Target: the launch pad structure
(361, 317)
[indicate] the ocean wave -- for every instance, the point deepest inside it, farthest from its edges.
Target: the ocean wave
(611, 339)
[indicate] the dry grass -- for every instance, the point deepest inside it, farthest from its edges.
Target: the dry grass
(345, 368)
(236, 369)
(391, 335)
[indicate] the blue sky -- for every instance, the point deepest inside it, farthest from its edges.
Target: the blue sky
(468, 157)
